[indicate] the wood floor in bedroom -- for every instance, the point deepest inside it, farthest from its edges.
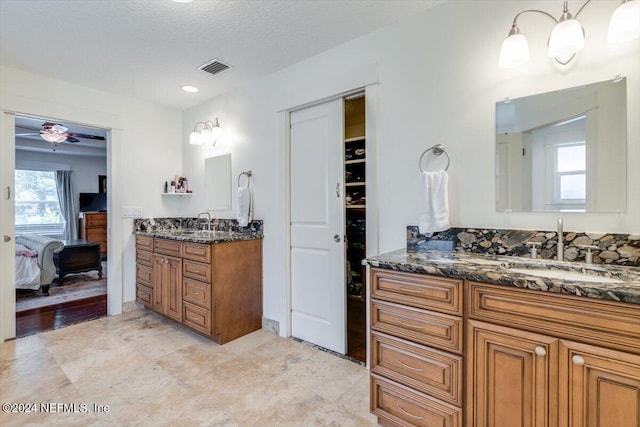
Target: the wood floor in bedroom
(56, 316)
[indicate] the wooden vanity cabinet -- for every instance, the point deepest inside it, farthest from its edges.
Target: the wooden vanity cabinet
(531, 358)
(416, 349)
(550, 360)
(144, 270)
(215, 289)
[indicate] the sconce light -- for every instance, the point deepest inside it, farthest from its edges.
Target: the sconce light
(567, 36)
(210, 133)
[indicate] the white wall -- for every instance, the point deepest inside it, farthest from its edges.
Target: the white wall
(144, 148)
(439, 82)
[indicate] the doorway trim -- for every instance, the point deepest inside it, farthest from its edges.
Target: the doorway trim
(18, 105)
(351, 81)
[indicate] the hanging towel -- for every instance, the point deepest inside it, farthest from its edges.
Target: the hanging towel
(434, 202)
(244, 206)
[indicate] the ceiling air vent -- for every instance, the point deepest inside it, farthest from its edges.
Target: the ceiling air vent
(214, 67)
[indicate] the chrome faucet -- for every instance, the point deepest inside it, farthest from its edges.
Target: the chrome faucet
(560, 247)
(208, 220)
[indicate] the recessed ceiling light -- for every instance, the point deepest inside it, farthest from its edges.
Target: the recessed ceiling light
(183, 1)
(190, 89)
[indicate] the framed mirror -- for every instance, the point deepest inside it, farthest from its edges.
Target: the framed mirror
(217, 182)
(563, 151)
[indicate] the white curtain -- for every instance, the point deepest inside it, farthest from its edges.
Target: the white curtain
(67, 204)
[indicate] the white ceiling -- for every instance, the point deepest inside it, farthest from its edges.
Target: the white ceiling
(148, 49)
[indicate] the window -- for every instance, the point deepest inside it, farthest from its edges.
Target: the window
(571, 173)
(37, 206)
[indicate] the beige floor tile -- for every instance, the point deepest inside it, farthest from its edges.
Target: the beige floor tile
(10, 350)
(150, 371)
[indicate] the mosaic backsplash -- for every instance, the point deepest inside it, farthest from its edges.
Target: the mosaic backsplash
(617, 249)
(151, 225)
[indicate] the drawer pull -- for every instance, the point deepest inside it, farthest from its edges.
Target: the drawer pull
(415, 291)
(540, 351)
(577, 360)
(411, 326)
(410, 367)
(417, 417)
(195, 293)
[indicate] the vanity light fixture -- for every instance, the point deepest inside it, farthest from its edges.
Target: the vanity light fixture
(567, 36)
(211, 133)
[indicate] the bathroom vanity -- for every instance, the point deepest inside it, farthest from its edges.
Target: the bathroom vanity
(479, 340)
(210, 282)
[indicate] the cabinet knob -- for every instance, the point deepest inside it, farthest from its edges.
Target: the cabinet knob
(577, 360)
(540, 351)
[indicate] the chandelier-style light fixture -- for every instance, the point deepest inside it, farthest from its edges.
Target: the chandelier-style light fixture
(210, 133)
(567, 36)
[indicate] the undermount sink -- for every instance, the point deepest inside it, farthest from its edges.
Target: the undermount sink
(571, 276)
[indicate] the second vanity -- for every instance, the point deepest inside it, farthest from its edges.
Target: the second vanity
(468, 339)
(210, 282)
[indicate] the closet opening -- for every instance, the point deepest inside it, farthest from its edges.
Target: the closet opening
(355, 207)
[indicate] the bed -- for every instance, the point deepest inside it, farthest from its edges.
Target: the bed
(34, 261)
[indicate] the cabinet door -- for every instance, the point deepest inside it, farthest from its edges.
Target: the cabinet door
(159, 277)
(173, 283)
(598, 387)
(512, 377)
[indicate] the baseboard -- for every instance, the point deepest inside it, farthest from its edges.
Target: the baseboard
(271, 325)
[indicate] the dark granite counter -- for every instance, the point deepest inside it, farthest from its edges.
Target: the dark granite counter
(205, 237)
(616, 283)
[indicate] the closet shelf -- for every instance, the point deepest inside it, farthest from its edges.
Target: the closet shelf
(355, 184)
(356, 206)
(353, 162)
(354, 139)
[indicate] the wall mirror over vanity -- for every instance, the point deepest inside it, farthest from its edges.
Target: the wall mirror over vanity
(563, 151)
(217, 178)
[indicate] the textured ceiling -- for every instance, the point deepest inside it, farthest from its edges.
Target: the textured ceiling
(148, 49)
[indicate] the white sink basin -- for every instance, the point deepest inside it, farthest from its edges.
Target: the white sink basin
(571, 276)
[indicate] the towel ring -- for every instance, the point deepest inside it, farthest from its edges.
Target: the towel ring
(248, 174)
(437, 149)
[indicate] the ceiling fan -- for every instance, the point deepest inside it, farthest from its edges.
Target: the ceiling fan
(56, 133)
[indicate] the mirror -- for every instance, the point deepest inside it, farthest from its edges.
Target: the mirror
(563, 151)
(217, 183)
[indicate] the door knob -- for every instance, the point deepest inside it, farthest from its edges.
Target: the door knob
(336, 238)
(7, 238)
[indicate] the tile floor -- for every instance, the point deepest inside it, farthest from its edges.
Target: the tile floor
(150, 371)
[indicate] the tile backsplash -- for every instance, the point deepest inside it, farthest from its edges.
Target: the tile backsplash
(617, 249)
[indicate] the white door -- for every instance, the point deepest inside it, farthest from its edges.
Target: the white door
(318, 295)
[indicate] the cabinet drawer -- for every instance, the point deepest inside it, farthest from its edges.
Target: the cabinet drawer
(402, 406)
(196, 292)
(430, 371)
(144, 257)
(418, 290)
(144, 274)
(98, 235)
(196, 270)
(603, 323)
(144, 243)
(196, 317)
(196, 252)
(421, 326)
(96, 220)
(143, 294)
(167, 247)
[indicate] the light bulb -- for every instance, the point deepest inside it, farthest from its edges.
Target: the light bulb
(625, 22)
(514, 51)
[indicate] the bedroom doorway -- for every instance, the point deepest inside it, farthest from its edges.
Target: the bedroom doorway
(60, 194)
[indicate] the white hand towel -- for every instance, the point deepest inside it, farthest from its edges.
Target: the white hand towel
(244, 206)
(434, 202)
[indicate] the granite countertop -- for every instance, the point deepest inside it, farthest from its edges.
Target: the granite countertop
(196, 236)
(614, 283)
